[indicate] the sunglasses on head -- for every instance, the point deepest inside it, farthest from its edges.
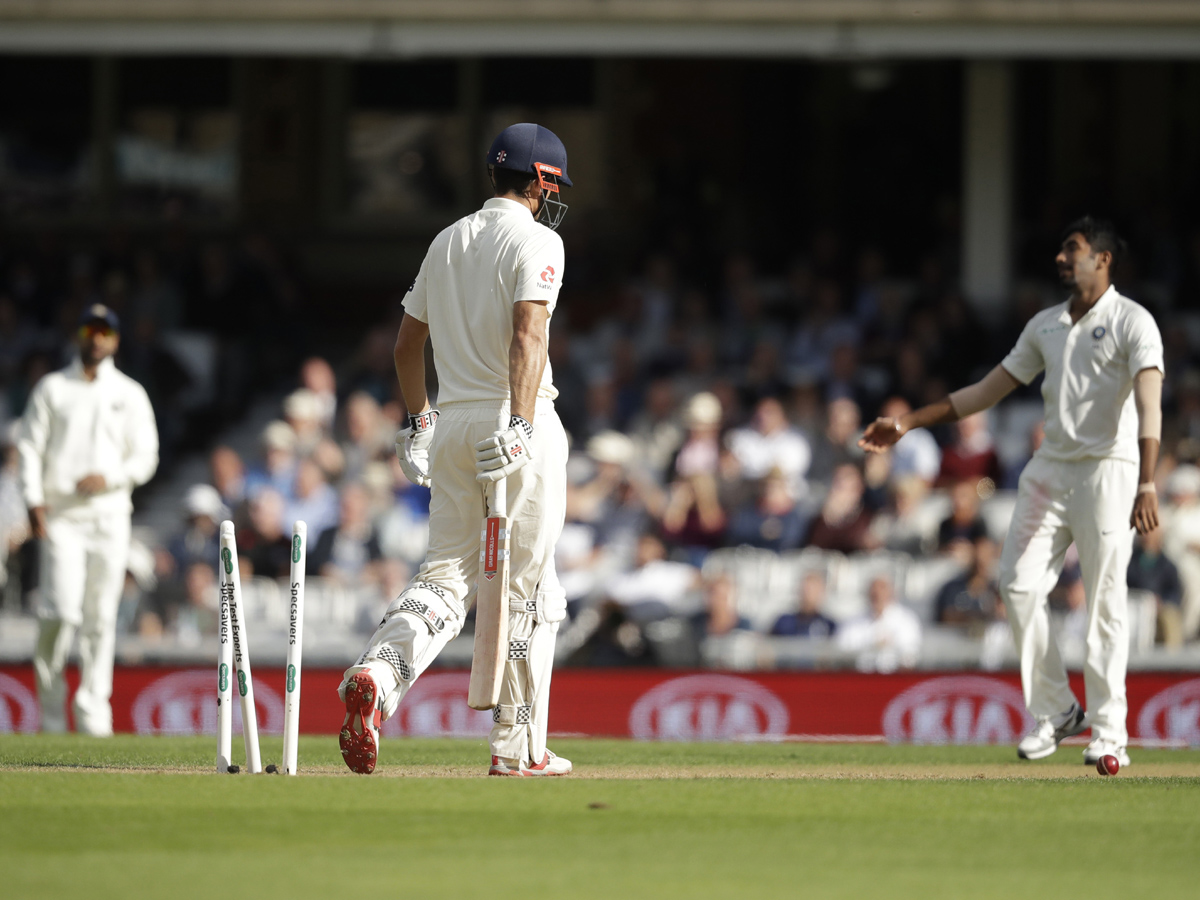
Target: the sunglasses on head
(96, 329)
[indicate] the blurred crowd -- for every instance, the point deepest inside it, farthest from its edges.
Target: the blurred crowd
(326, 462)
(705, 415)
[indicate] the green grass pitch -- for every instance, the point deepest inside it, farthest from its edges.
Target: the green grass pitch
(136, 817)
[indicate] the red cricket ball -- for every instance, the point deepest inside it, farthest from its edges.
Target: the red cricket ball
(1108, 765)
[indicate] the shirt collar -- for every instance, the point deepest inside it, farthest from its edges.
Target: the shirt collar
(1065, 315)
(1106, 297)
(105, 368)
(503, 203)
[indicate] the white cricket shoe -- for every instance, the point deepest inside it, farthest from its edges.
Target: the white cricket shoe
(550, 765)
(1100, 747)
(1049, 731)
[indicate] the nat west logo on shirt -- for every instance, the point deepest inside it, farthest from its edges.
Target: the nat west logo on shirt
(548, 275)
(1061, 326)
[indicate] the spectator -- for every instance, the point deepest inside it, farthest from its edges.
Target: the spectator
(329, 459)
(916, 453)
(964, 525)
(720, 616)
(196, 618)
(770, 443)
(905, 525)
(972, 600)
(910, 378)
(823, 328)
(888, 637)
(701, 450)
(762, 375)
(302, 410)
(228, 475)
(349, 551)
(844, 523)
(316, 375)
(1151, 571)
(313, 500)
(773, 521)
(404, 523)
(655, 430)
(1181, 540)
(807, 620)
(279, 461)
(655, 588)
(836, 445)
(616, 502)
(263, 546)
(368, 437)
(199, 542)
(971, 456)
(694, 518)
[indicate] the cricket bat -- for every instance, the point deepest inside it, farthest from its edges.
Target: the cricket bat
(491, 606)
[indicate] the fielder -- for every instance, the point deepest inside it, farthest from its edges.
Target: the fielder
(1090, 482)
(86, 440)
(484, 297)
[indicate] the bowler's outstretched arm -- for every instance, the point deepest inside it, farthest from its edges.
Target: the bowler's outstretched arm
(984, 394)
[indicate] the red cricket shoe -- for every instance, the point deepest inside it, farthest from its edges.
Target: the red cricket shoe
(361, 748)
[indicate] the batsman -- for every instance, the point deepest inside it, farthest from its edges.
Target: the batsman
(484, 297)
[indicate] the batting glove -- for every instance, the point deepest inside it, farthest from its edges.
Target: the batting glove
(504, 452)
(412, 447)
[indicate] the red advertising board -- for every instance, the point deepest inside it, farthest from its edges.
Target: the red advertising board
(651, 704)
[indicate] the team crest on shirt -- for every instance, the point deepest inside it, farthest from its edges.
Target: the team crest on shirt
(1098, 332)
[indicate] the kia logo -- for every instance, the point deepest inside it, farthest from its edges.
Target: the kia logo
(436, 706)
(18, 708)
(707, 708)
(186, 703)
(957, 709)
(1172, 716)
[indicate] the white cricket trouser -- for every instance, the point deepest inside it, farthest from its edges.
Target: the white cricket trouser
(1087, 502)
(82, 576)
(429, 613)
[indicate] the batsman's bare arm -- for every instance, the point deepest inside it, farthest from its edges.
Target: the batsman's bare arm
(409, 357)
(1147, 397)
(527, 355)
(983, 394)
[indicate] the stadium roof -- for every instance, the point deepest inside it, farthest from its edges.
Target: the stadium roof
(779, 28)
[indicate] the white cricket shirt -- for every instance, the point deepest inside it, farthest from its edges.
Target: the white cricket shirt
(474, 272)
(1089, 365)
(73, 427)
